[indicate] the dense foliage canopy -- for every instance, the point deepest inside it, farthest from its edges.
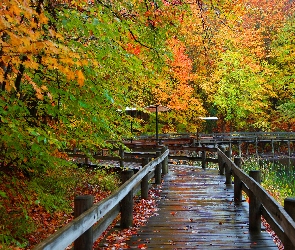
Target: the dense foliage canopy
(69, 68)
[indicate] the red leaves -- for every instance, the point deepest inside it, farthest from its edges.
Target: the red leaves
(273, 234)
(142, 246)
(143, 209)
(182, 64)
(133, 49)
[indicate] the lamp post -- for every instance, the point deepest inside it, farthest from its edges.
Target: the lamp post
(131, 110)
(157, 108)
(208, 118)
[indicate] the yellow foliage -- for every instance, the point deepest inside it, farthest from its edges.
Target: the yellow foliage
(67, 61)
(31, 64)
(43, 87)
(80, 78)
(16, 10)
(67, 72)
(9, 85)
(43, 19)
(1, 75)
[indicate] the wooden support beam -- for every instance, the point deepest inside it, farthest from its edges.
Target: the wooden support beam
(145, 181)
(127, 203)
(254, 205)
(237, 182)
(289, 205)
(81, 204)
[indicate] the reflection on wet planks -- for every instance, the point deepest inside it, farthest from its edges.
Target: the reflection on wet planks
(196, 211)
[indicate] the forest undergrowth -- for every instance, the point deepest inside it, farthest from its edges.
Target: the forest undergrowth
(32, 207)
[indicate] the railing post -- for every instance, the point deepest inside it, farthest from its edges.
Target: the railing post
(256, 147)
(127, 202)
(203, 159)
(121, 154)
(220, 162)
(240, 149)
(158, 170)
(237, 182)
(254, 205)
(272, 148)
(228, 153)
(81, 204)
(165, 162)
(228, 169)
(145, 181)
(289, 204)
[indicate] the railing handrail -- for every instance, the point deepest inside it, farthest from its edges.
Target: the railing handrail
(277, 211)
(225, 135)
(69, 233)
(259, 135)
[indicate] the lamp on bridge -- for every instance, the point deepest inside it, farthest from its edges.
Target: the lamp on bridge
(131, 111)
(206, 118)
(157, 108)
(209, 118)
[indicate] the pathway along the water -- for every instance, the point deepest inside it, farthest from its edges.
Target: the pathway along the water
(196, 211)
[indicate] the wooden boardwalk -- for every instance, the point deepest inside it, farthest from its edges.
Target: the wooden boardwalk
(196, 211)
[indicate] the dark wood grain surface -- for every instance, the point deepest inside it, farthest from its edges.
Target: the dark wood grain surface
(197, 211)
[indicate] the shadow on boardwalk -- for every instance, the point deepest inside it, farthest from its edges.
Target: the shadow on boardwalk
(196, 211)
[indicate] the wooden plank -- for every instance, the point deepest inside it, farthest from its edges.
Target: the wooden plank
(192, 158)
(137, 154)
(186, 158)
(196, 211)
(110, 158)
(182, 148)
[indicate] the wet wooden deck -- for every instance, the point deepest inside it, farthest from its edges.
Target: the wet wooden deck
(196, 211)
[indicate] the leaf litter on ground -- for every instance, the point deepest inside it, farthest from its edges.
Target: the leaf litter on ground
(117, 239)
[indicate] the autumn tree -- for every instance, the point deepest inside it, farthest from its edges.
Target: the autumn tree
(247, 46)
(282, 59)
(68, 67)
(66, 70)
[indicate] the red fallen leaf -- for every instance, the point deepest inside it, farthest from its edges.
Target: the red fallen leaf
(173, 213)
(220, 223)
(142, 246)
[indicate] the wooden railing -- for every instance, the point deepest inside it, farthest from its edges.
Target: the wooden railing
(227, 136)
(281, 219)
(103, 213)
(255, 135)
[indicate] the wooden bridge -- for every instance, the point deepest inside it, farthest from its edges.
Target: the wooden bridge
(200, 208)
(197, 211)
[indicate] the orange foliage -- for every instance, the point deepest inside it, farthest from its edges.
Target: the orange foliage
(133, 49)
(28, 42)
(260, 21)
(181, 64)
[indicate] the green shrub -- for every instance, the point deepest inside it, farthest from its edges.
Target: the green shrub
(277, 179)
(51, 192)
(106, 181)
